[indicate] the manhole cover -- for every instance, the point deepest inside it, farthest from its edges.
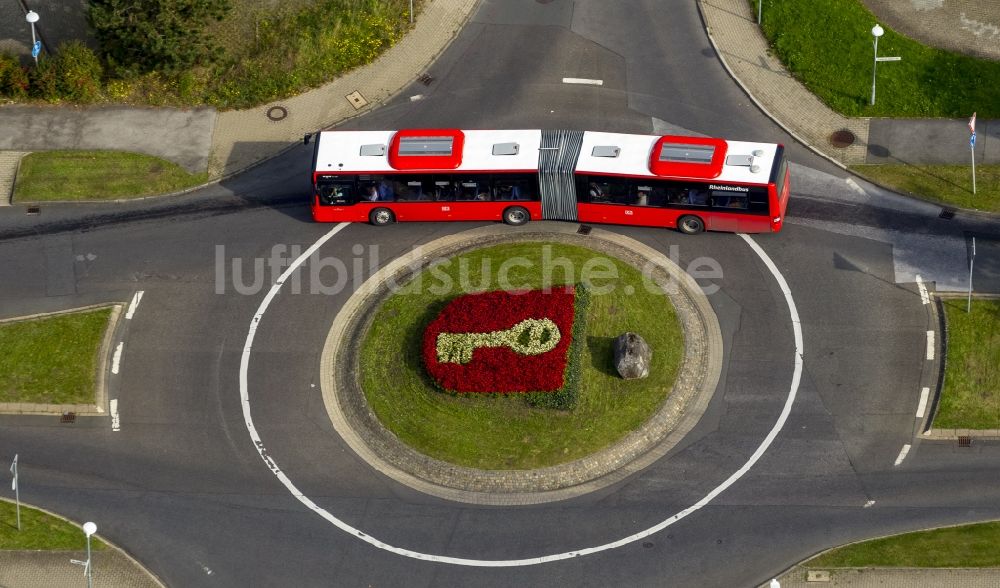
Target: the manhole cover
(277, 113)
(842, 138)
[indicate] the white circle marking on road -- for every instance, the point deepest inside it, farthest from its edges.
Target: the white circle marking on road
(499, 563)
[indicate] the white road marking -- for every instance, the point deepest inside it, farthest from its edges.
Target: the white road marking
(503, 563)
(584, 81)
(930, 344)
(116, 360)
(924, 297)
(869, 504)
(116, 423)
(924, 393)
(854, 186)
(136, 298)
(416, 97)
(902, 455)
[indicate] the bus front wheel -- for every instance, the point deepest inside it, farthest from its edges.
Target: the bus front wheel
(690, 225)
(516, 215)
(381, 217)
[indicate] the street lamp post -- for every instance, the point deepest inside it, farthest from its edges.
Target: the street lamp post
(32, 18)
(877, 32)
(89, 529)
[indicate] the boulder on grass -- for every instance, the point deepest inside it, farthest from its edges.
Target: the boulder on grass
(632, 356)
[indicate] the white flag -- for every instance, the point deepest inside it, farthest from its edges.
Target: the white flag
(13, 470)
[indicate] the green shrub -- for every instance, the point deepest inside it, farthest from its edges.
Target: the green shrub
(80, 72)
(44, 79)
(155, 36)
(13, 77)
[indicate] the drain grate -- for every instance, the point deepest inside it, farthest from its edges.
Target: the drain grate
(68, 417)
(947, 213)
(33, 210)
(425, 79)
(584, 229)
(964, 441)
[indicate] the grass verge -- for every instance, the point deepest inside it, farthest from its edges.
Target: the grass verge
(971, 395)
(944, 184)
(40, 531)
(52, 360)
(827, 44)
(968, 546)
(98, 175)
(505, 432)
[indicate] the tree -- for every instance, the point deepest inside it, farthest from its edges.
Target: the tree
(140, 36)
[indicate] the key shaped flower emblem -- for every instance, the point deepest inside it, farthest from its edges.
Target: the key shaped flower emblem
(501, 341)
(528, 337)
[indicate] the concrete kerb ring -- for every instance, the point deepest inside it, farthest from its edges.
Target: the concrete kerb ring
(359, 427)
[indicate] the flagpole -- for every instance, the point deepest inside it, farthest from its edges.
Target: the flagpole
(17, 492)
(972, 148)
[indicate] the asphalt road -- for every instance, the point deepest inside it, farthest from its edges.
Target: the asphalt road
(182, 487)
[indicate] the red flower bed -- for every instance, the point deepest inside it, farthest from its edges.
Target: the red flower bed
(500, 368)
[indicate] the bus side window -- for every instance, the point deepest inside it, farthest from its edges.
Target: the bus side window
(758, 200)
(645, 194)
(512, 188)
(335, 192)
(729, 200)
(385, 191)
(444, 190)
(697, 196)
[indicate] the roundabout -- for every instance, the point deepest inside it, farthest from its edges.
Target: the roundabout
(354, 311)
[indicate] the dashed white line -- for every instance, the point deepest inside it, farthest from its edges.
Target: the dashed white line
(930, 344)
(869, 504)
(854, 186)
(116, 360)
(902, 455)
(584, 81)
(116, 423)
(136, 298)
(924, 297)
(924, 393)
(504, 563)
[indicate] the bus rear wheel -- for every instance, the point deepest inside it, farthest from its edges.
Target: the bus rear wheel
(381, 217)
(516, 215)
(690, 225)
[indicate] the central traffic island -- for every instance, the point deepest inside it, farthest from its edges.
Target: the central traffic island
(481, 367)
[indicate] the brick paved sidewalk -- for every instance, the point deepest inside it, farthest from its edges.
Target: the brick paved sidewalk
(53, 569)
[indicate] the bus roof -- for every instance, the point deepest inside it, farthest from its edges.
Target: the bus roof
(453, 150)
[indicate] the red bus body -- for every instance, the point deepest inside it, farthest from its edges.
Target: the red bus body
(640, 180)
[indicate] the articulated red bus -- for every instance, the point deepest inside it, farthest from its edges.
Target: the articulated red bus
(691, 183)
